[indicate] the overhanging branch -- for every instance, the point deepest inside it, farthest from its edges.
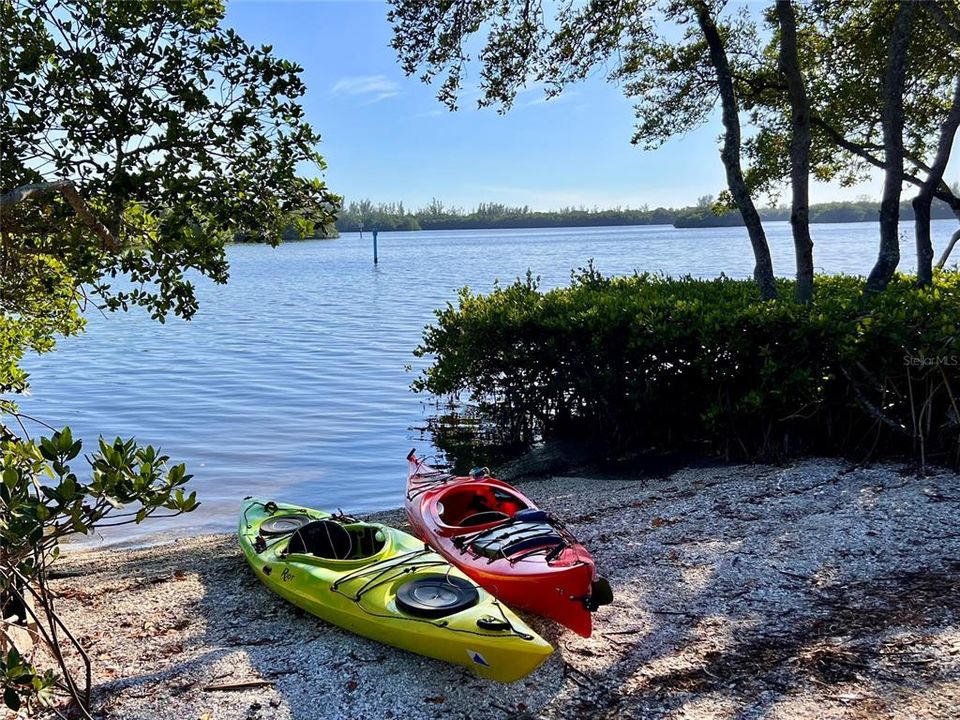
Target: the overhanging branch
(942, 192)
(948, 24)
(948, 249)
(70, 194)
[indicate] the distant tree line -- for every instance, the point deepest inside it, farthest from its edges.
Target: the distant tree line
(367, 215)
(707, 214)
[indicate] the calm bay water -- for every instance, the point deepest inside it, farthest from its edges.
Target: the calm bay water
(291, 381)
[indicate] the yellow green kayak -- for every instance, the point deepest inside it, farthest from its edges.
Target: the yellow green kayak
(386, 585)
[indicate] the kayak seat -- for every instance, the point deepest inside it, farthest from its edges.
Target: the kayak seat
(516, 538)
(458, 504)
(322, 538)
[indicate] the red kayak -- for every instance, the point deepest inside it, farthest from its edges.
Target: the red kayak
(498, 537)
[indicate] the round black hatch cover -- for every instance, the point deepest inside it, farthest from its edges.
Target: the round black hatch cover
(282, 525)
(435, 596)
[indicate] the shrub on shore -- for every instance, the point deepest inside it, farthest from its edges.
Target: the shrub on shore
(648, 361)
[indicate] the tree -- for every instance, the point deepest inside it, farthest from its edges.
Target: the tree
(676, 84)
(789, 65)
(853, 100)
(892, 121)
(924, 198)
(137, 138)
(739, 190)
(948, 17)
(863, 42)
(843, 48)
(176, 133)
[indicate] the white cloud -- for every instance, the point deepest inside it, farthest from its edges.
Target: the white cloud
(379, 97)
(378, 86)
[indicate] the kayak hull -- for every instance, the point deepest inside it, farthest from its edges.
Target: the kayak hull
(359, 594)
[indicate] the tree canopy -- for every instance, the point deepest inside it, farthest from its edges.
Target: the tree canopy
(174, 133)
(679, 60)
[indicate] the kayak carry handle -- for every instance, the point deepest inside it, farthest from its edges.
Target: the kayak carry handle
(411, 454)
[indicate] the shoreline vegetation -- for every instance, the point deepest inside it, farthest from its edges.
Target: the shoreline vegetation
(292, 233)
(365, 215)
(702, 365)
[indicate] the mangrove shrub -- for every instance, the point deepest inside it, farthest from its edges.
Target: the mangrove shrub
(651, 362)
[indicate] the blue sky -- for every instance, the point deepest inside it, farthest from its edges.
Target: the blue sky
(386, 137)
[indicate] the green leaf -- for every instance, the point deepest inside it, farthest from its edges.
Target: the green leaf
(10, 478)
(12, 699)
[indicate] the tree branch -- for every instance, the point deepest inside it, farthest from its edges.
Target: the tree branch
(948, 249)
(938, 12)
(943, 192)
(69, 192)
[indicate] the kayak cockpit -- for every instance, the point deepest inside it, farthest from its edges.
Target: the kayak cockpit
(321, 540)
(331, 540)
(473, 505)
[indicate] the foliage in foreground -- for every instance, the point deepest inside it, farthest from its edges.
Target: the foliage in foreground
(43, 501)
(174, 135)
(647, 361)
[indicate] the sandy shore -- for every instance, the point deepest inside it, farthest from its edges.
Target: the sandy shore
(804, 592)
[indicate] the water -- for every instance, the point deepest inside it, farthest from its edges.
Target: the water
(292, 380)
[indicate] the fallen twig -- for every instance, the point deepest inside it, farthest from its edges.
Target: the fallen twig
(570, 672)
(240, 685)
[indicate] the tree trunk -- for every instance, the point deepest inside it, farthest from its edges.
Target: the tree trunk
(948, 249)
(763, 269)
(799, 150)
(921, 212)
(892, 119)
(924, 199)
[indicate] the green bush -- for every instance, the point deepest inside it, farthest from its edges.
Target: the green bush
(649, 361)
